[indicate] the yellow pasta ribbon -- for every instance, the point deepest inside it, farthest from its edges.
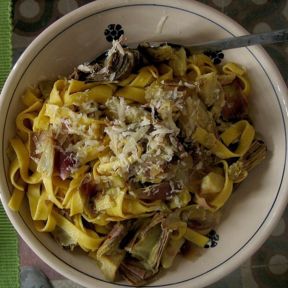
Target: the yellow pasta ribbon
(13, 169)
(135, 89)
(240, 72)
(76, 203)
(177, 226)
(48, 183)
(30, 97)
(16, 199)
(231, 67)
(127, 81)
(196, 69)
(196, 237)
(23, 159)
(99, 94)
(78, 86)
(57, 92)
(25, 115)
(201, 63)
(73, 198)
(102, 229)
(78, 222)
(56, 113)
(134, 206)
(165, 72)
(116, 205)
(40, 207)
(132, 93)
(41, 122)
(101, 219)
(88, 241)
(145, 77)
(60, 187)
(46, 226)
(23, 130)
(240, 129)
(246, 90)
(77, 219)
(222, 197)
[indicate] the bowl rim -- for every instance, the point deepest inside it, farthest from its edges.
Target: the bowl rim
(277, 83)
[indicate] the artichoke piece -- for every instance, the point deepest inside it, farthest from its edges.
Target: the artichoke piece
(171, 251)
(195, 114)
(109, 264)
(121, 65)
(63, 238)
(174, 224)
(236, 171)
(118, 65)
(45, 147)
(145, 244)
(255, 155)
(211, 93)
(199, 218)
(177, 223)
(109, 255)
(257, 152)
(161, 191)
(157, 54)
(209, 88)
(111, 244)
(133, 272)
(149, 243)
(178, 62)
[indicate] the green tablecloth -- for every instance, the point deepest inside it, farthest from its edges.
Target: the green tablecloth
(9, 260)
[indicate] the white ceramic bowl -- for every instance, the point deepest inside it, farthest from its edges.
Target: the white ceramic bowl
(256, 206)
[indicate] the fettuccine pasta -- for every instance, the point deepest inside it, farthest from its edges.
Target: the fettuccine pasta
(130, 163)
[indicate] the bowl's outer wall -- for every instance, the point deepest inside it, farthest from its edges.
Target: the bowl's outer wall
(257, 205)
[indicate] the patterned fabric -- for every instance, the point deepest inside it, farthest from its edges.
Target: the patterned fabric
(9, 256)
(269, 266)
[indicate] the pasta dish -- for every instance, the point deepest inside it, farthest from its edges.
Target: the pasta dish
(132, 157)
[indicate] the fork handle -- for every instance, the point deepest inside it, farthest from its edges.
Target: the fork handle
(241, 41)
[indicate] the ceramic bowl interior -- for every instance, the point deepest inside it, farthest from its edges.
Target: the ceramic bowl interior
(256, 205)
